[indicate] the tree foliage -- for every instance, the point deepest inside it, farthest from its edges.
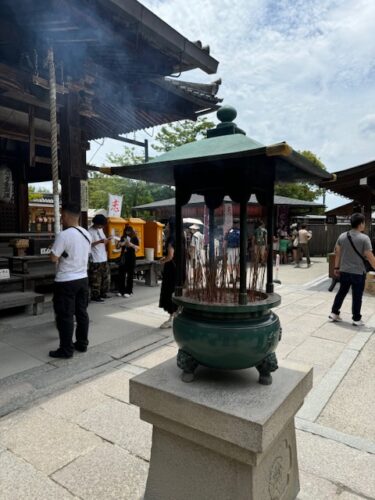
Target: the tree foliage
(179, 133)
(134, 192)
(139, 192)
(36, 194)
(302, 190)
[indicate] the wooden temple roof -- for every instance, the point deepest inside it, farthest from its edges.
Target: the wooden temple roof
(115, 55)
(356, 183)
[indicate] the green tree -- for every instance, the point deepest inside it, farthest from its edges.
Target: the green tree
(134, 192)
(35, 194)
(139, 192)
(179, 133)
(302, 190)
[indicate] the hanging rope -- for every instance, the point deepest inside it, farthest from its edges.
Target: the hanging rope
(54, 157)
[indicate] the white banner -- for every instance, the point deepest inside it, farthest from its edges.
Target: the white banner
(114, 205)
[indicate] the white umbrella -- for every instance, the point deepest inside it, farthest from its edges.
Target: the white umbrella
(190, 220)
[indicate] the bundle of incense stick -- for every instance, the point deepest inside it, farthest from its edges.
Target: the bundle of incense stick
(215, 282)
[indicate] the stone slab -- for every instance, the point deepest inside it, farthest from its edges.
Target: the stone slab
(119, 423)
(108, 472)
(122, 347)
(315, 488)
(19, 480)
(351, 409)
(156, 357)
(35, 340)
(352, 441)
(320, 395)
(73, 401)
(337, 332)
(245, 413)
(14, 360)
(114, 384)
(337, 463)
(317, 351)
(46, 442)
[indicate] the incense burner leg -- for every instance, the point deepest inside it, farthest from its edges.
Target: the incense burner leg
(268, 365)
(187, 364)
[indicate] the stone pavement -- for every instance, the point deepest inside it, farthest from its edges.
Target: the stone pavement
(68, 430)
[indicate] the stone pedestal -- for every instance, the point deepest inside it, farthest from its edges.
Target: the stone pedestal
(224, 436)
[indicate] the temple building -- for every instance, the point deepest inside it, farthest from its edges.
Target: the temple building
(80, 70)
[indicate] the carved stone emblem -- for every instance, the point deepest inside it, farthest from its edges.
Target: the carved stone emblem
(279, 476)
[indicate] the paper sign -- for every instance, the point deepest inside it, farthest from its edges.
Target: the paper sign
(4, 274)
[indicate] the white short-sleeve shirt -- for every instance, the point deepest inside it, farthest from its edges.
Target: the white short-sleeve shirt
(98, 252)
(73, 265)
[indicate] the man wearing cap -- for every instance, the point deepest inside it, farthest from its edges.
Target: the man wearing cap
(98, 267)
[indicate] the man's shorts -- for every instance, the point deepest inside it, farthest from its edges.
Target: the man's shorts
(233, 255)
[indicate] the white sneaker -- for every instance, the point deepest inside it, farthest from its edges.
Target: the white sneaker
(334, 317)
(358, 323)
(119, 294)
(166, 324)
(127, 295)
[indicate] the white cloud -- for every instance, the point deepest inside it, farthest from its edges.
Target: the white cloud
(295, 70)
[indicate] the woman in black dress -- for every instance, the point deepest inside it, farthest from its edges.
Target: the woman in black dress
(129, 245)
(169, 274)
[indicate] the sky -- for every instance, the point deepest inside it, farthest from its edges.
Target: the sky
(300, 71)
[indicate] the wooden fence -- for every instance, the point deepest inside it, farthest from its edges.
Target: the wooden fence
(324, 237)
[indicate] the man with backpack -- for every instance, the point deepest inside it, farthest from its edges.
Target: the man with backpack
(232, 245)
(353, 254)
(70, 251)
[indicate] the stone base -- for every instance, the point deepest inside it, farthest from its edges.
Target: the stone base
(224, 437)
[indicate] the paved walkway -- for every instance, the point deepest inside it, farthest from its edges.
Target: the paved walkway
(68, 430)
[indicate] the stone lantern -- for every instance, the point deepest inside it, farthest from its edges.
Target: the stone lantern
(234, 327)
(224, 436)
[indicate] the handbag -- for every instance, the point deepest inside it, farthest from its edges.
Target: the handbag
(366, 263)
(295, 242)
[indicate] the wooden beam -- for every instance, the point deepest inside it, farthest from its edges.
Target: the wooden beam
(23, 137)
(31, 136)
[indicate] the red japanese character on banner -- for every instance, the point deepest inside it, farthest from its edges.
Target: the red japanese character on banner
(115, 205)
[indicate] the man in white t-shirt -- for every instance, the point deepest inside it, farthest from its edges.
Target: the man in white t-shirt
(98, 267)
(70, 251)
(304, 236)
(197, 246)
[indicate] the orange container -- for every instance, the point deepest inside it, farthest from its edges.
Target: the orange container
(139, 227)
(114, 227)
(154, 237)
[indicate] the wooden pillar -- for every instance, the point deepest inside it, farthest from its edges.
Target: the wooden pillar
(22, 195)
(72, 166)
(179, 242)
(243, 251)
(211, 235)
(21, 189)
(270, 228)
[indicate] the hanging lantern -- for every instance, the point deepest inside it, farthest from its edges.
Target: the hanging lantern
(6, 184)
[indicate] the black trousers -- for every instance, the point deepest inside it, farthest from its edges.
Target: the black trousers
(125, 277)
(357, 282)
(70, 299)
